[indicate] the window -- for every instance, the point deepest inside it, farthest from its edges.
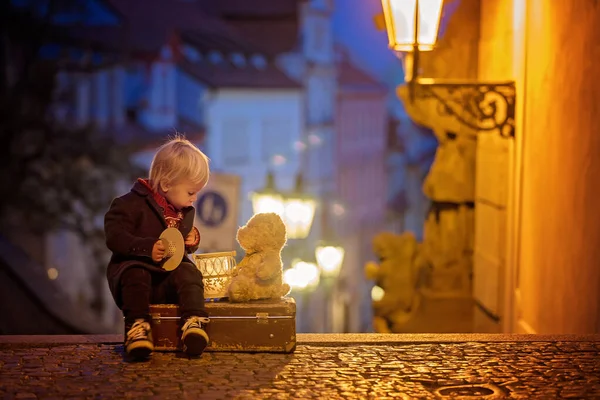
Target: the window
(321, 99)
(318, 46)
(235, 141)
(275, 138)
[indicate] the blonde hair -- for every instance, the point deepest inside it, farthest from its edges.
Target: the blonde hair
(178, 159)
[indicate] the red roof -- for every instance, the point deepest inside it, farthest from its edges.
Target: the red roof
(226, 75)
(271, 25)
(137, 136)
(205, 42)
(149, 24)
(350, 77)
(251, 8)
(272, 36)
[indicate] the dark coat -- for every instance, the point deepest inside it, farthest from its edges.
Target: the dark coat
(132, 225)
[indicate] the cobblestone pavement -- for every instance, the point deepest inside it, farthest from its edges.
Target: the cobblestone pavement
(546, 370)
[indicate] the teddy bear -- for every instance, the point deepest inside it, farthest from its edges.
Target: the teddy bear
(259, 275)
(397, 274)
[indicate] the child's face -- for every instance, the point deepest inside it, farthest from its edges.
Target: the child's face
(182, 194)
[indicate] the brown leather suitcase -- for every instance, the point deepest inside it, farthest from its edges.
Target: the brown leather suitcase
(257, 326)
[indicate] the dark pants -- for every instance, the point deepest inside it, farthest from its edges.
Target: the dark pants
(182, 286)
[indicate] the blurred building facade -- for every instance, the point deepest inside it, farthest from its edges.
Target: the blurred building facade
(260, 88)
(528, 258)
(362, 131)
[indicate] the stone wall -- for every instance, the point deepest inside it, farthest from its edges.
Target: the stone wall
(538, 225)
(559, 274)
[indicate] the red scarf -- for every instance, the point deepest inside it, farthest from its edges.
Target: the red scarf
(171, 215)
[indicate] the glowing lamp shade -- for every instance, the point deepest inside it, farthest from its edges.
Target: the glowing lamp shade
(298, 216)
(268, 199)
(401, 18)
(302, 276)
(264, 202)
(330, 259)
(216, 269)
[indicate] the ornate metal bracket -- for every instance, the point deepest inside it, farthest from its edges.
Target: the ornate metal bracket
(482, 106)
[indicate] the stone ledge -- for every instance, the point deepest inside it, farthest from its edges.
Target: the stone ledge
(399, 338)
(328, 339)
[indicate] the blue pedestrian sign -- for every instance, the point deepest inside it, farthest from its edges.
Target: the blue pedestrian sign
(211, 209)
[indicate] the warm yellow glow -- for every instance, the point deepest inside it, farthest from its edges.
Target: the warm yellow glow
(302, 276)
(400, 23)
(377, 293)
(330, 259)
(298, 216)
(267, 202)
(217, 269)
(291, 277)
(52, 273)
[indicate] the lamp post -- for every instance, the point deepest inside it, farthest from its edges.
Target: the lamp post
(303, 277)
(412, 27)
(330, 256)
(299, 211)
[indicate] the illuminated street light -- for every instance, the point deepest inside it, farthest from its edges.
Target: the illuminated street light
(299, 211)
(329, 252)
(296, 209)
(268, 199)
(303, 275)
(488, 106)
(412, 23)
(330, 258)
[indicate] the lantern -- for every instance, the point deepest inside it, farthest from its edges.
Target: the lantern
(299, 211)
(329, 257)
(267, 199)
(302, 276)
(216, 269)
(412, 23)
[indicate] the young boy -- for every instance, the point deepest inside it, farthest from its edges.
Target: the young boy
(133, 224)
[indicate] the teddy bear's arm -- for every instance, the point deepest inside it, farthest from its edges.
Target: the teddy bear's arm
(269, 266)
(239, 266)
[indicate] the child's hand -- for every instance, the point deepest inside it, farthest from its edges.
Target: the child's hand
(192, 238)
(158, 251)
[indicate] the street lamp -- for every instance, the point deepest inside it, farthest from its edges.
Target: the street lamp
(412, 27)
(329, 257)
(329, 252)
(296, 209)
(299, 211)
(406, 20)
(268, 199)
(303, 277)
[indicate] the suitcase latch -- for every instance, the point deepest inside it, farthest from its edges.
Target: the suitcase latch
(262, 318)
